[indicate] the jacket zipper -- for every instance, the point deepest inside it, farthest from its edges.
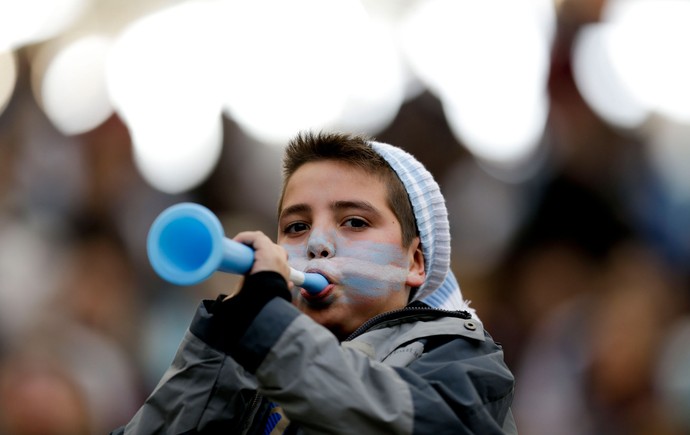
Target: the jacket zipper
(254, 407)
(410, 310)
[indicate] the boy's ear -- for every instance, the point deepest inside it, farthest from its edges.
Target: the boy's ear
(415, 273)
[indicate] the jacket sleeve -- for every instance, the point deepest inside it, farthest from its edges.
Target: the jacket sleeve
(203, 391)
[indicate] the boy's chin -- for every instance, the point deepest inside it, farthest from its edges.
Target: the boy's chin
(341, 330)
(330, 317)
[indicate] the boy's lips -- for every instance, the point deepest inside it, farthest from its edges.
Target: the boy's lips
(322, 297)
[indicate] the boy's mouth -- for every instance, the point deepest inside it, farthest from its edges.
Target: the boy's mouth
(321, 299)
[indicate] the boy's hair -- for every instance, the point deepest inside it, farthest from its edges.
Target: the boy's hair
(354, 150)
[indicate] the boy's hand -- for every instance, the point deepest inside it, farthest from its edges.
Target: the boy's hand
(268, 256)
(267, 280)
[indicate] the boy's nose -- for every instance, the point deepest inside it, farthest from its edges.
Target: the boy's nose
(320, 249)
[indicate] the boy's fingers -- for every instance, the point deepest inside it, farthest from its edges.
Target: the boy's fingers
(249, 237)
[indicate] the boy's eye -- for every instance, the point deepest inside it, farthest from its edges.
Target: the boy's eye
(295, 228)
(355, 223)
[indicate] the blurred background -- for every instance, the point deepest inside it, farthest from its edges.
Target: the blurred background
(558, 130)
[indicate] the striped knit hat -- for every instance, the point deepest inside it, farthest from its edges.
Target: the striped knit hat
(440, 289)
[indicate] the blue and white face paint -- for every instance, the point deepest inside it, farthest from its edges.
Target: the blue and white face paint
(367, 269)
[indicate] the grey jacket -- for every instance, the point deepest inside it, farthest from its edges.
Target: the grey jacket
(415, 371)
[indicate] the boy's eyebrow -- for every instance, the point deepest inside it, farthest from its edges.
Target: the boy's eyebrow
(294, 209)
(361, 205)
(337, 205)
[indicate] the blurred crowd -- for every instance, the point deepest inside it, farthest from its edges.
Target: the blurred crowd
(588, 293)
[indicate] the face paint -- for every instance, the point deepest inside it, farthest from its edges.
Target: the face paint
(365, 269)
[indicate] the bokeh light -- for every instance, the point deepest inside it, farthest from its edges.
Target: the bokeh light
(166, 85)
(305, 65)
(72, 90)
(488, 63)
(652, 63)
(28, 21)
(632, 63)
(177, 158)
(8, 77)
(599, 82)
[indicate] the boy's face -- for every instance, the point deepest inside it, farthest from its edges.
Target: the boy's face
(335, 220)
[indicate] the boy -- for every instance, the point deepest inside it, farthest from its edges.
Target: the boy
(389, 347)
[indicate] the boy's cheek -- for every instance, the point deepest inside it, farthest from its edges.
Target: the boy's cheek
(365, 288)
(297, 257)
(294, 251)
